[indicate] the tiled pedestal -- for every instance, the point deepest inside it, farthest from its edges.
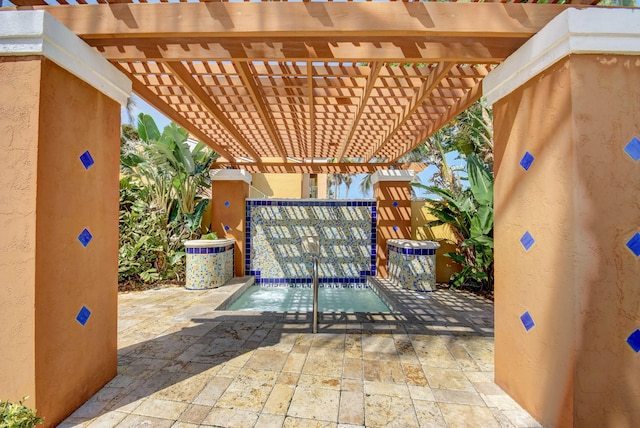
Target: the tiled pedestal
(412, 264)
(209, 263)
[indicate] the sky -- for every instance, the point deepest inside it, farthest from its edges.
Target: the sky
(354, 191)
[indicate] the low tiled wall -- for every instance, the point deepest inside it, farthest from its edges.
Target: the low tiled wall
(412, 264)
(209, 263)
(346, 231)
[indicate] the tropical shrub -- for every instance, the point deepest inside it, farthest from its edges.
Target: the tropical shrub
(469, 214)
(160, 206)
(17, 415)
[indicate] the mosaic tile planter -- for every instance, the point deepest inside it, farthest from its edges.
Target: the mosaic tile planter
(209, 263)
(412, 264)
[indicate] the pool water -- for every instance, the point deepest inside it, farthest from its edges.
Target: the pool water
(282, 299)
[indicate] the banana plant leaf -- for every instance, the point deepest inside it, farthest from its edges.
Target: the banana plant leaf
(147, 129)
(480, 180)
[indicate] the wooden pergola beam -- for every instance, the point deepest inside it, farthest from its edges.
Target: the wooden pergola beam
(284, 79)
(458, 107)
(181, 72)
(247, 78)
(438, 73)
(371, 80)
(318, 167)
(302, 21)
(149, 96)
(399, 49)
(312, 114)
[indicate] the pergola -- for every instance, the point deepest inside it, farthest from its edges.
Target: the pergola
(306, 86)
(283, 87)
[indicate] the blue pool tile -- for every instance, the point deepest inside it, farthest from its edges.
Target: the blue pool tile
(634, 244)
(633, 148)
(83, 315)
(634, 340)
(527, 240)
(527, 321)
(526, 161)
(85, 237)
(87, 160)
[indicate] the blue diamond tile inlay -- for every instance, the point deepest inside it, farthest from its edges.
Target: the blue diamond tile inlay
(227, 228)
(633, 148)
(634, 244)
(395, 228)
(526, 161)
(527, 241)
(85, 237)
(527, 321)
(395, 203)
(226, 204)
(87, 160)
(83, 315)
(634, 340)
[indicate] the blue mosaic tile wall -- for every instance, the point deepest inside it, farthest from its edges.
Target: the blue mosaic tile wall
(346, 231)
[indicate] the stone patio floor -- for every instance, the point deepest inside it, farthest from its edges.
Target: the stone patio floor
(184, 364)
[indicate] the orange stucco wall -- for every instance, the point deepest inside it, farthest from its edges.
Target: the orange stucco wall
(391, 217)
(19, 95)
(233, 216)
(579, 281)
(67, 117)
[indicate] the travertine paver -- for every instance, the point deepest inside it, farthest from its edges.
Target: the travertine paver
(182, 363)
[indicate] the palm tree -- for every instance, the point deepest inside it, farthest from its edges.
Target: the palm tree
(472, 132)
(347, 180)
(365, 184)
(335, 180)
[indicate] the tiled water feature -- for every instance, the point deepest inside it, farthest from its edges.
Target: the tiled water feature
(346, 231)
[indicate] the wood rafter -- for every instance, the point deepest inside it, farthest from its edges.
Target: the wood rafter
(320, 168)
(153, 99)
(371, 80)
(187, 79)
(307, 81)
(458, 107)
(247, 77)
(438, 73)
(312, 122)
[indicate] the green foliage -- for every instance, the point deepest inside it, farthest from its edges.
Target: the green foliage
(469, 214)
(17, 415)
(160, 206)
(211, 235)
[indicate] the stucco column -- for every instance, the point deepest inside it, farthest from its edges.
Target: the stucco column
(392, 191)
(229, 190)
(60, 126)
(567, 220)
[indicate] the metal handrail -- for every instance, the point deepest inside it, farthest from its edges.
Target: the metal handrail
(315, 295)
(311, 245)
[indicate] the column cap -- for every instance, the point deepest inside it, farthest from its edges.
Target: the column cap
(614, 31)
(36, 32)
(392, 175)
(230, 175)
